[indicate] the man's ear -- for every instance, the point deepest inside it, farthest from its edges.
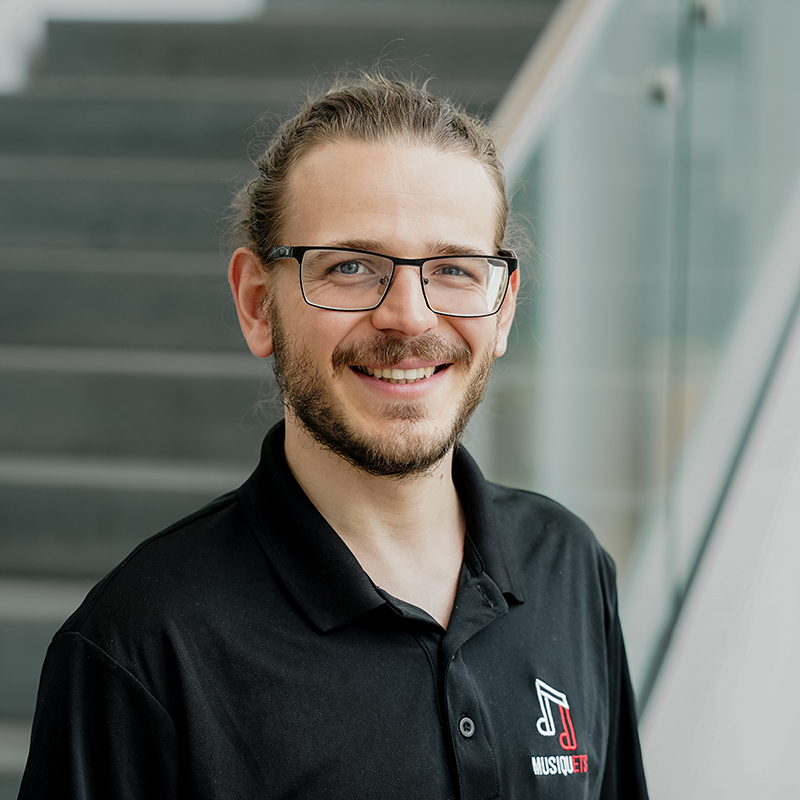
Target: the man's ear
(506, 314)
(248, 285)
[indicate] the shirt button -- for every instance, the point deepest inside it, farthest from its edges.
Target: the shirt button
(466, 727)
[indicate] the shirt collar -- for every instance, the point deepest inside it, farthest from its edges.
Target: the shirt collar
(316, 567)
(484, 525)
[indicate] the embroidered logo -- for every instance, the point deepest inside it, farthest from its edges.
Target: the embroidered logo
(546, 725)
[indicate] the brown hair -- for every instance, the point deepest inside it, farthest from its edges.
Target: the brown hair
(369, 108)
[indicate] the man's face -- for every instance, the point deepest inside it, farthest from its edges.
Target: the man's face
(405, 201)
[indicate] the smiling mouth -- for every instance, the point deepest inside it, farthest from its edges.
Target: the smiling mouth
(394, 375)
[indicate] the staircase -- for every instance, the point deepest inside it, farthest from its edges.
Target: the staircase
(127, 397)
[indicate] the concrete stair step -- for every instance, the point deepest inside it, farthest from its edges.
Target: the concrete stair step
(9, 787)
(167, 117)
(115, 202)
(15, 737)
(134, 403)
(110, 298)
(31, 611)
(475, 43)
(178, 124)
(79, 517)
(267, 94)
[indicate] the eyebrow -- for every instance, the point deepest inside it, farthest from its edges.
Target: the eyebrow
(438, 248)
(357, 244)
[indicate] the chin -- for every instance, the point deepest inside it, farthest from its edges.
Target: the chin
(401, 448)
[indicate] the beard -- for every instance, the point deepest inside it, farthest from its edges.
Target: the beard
(405, 451)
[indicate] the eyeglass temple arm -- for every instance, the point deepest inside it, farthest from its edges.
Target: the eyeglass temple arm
(276, 253)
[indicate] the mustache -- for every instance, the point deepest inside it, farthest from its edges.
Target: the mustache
(384, 350)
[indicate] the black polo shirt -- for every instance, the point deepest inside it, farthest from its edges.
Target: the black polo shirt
(244, 653)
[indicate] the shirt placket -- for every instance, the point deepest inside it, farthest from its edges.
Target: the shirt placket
(479, 602)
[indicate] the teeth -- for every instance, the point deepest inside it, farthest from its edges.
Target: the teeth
(400, 375)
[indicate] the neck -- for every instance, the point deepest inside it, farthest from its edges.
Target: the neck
(407, 533)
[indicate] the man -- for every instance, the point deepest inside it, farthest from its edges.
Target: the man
(366, 617)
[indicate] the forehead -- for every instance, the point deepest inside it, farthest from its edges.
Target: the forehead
(395, 194)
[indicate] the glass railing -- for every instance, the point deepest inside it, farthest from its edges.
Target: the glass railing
(661, 186)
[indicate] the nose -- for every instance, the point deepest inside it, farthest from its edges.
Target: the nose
(403, 308)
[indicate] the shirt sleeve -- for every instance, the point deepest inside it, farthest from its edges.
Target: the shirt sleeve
(624, 771)
(98, 732)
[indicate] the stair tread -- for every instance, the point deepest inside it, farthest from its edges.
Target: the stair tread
(40, 599)
(127, 473)
(123, 361)
(15, 739)
(120, 168)
(282, 44)
(121, 260)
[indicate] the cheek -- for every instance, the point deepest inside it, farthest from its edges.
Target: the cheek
(481, 335)
(321, 332)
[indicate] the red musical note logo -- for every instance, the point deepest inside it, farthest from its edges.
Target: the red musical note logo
(567, 738)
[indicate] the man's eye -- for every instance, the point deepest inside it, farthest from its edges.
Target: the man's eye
(450, 269)
(350, 268)
(460, 272)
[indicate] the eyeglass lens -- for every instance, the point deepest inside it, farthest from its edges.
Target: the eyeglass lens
(455, 285)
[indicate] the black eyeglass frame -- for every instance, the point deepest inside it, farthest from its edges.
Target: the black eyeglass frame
(297, 252)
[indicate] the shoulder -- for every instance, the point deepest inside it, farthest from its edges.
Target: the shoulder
(528, 525)
(548, 541)
(517, 508)
(530, 512)
(169, 578)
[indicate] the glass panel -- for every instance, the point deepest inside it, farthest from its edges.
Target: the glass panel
(657, 193)
(594, 320)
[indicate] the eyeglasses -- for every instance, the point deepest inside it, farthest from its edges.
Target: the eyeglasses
(339, 279)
